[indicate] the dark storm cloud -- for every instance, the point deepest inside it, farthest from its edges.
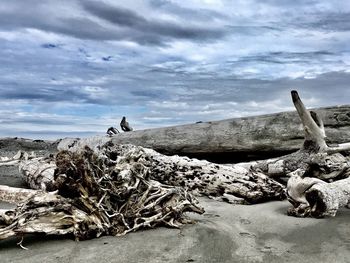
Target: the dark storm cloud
(125, 24)
(147, 28)
(83, 28)
(234, 97)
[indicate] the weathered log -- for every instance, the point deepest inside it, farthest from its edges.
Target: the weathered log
(96, 196)
(234, 184)
(314, 143)
(239, 139)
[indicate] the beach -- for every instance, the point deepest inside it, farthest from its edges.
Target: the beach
(224, 233)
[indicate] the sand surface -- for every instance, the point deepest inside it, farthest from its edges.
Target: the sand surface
(225, 233)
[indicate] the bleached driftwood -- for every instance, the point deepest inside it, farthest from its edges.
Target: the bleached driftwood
(239, 183)
(311, 189)
(237, 139)
(107, 189)
(97, 196)
(314, 197)
(39, 173)
(314, 153)
(232, 184)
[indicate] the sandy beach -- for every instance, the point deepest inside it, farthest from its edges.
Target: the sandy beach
(225, 233)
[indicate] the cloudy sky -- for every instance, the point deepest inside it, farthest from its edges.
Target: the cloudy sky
(74, 68)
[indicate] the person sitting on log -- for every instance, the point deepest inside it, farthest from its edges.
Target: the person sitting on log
(111, 131)
(125, 125)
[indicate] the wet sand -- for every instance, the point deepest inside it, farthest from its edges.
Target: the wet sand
(225, 233)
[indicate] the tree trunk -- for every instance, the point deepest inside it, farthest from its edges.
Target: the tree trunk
(236, 140)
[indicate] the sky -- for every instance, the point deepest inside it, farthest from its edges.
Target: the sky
(73, 68)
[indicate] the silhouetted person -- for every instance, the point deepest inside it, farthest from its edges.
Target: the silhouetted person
(111, 131)
(125, 125)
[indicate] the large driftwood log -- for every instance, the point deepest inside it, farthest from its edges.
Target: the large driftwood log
(96, 196)
(235, 140)
(233, 184)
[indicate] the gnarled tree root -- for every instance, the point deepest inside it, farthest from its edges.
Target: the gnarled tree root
(94, 196)
(233, 184)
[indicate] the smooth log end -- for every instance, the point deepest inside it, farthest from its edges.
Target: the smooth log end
(295, 96)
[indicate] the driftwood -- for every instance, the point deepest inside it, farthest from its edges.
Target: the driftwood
(233, 184)
(311, 189)
(241, 183)
(107, 189)
(104, 188)
(95, 196)
(239, 139)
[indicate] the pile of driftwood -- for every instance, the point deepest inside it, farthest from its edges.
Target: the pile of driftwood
(95, 187)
